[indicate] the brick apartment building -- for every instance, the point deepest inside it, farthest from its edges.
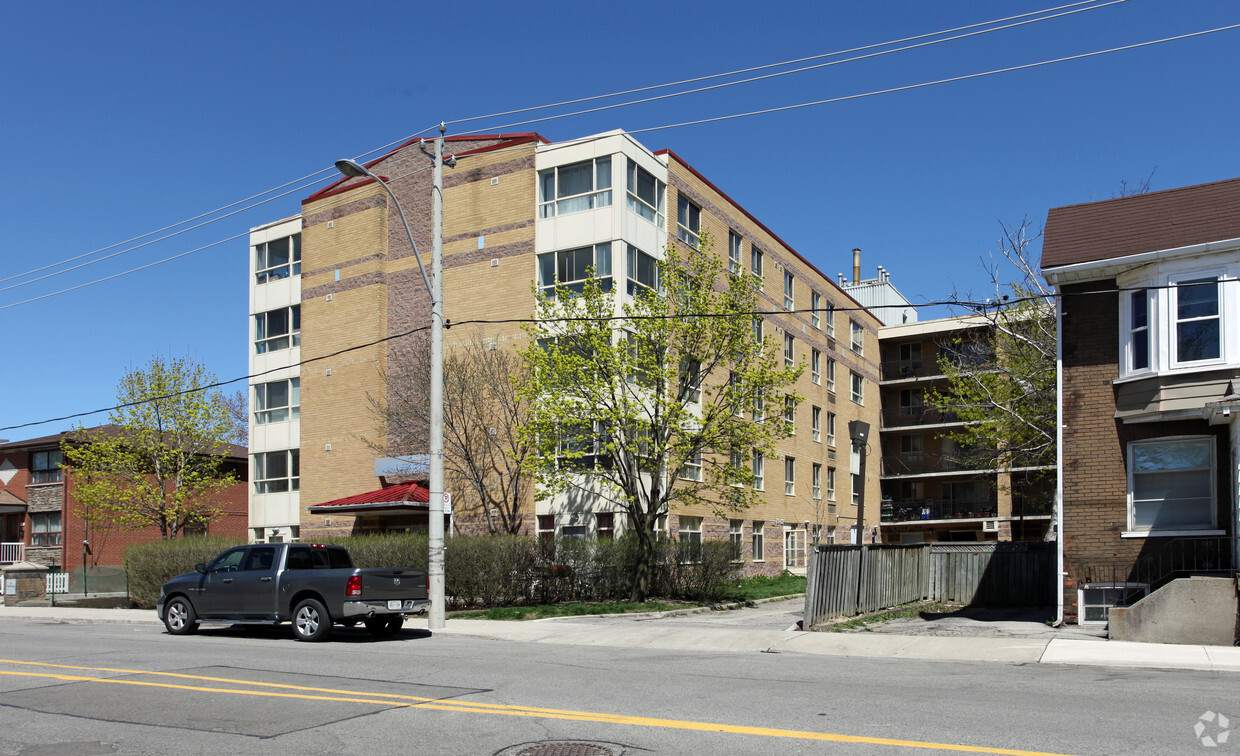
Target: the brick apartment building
(512, 201)
(44, 523)
(1150, 430)
(932, 493)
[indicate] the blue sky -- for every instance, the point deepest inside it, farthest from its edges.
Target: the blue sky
(123, 118)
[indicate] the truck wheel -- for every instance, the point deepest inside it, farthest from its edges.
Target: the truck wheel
(311, 622)
(384, 627)
(179, 617)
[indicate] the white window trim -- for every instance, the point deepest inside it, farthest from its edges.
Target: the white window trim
(1211, 529)
(1173, 319)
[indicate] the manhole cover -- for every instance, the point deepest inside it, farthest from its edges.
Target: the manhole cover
(565, 749)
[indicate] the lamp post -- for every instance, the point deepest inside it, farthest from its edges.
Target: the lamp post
(434, 287)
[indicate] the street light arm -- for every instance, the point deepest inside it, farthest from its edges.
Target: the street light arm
(353, 169)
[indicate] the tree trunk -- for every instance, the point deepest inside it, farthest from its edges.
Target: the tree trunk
(641, 570)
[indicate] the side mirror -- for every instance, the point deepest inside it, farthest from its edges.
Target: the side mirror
(200, 567)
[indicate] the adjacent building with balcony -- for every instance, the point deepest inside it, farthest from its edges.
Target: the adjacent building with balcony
(522, 213)
(933, 491)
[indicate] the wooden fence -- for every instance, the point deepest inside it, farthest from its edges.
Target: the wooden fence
(848, 580)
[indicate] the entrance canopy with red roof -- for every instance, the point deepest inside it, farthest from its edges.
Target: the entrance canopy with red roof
(391, 500)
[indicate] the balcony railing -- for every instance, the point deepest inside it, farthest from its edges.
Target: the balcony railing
(919, 463)
(937, 509)
(895, 370)
(919, 415)
(11, 553)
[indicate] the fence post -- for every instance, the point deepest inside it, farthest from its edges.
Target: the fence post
(809, 613)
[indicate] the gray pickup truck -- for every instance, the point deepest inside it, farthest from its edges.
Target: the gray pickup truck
(310, 585)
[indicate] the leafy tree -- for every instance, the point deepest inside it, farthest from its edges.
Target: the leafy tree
(1001, 378)
(653, 402)
(483, 450)
(161, 460)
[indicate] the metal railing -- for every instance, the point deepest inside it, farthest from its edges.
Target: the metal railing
(937, 509)
(917, 415)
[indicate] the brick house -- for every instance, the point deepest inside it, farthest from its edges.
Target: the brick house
(44, 523)
(515, 206)
(1150, 396)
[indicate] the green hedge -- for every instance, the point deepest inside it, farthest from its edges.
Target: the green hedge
(150, 565)
(487, 571)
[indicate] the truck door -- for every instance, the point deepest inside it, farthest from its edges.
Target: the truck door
(218, 592)
(256, 583)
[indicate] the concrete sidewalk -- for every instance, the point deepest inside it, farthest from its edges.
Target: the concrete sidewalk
(628, 634)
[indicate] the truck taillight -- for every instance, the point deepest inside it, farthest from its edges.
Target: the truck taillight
(428, 584)
(354, 586)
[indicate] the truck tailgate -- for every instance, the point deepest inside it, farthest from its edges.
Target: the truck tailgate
(382, 584)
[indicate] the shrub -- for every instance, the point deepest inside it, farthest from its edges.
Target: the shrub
(149, 565)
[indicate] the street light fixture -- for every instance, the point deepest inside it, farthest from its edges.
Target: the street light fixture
(434, 287)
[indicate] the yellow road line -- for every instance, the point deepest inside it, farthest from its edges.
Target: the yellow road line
(466, 707)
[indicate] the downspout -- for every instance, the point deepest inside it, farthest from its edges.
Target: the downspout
(1059, 572)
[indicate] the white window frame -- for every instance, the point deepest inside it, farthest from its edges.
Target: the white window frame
(789, 351)
(829, 315)
(688, 221)
(790, 476)
(1095, 596)
(830, 484)
(856, 387)
(1204, 528)
(815, 363)
(265, 342)
(599, 269)
(264, 271)
(755, 261)
(758, 541)
(634, 286)
(735, 242)
(795, 540)
(598, 195)
(1134, 333)
(815, 302)
(816, 481)
(815, 424)
(831, 374)
(856, 337)
(692, 468)
(790, 415)
(759, 465)
(830, 428)
(268, 484)
(639, 204)
(266, 413)
(1195, 278)
(689, 529)
(789, 291)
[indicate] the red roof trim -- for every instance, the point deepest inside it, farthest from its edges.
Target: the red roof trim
(404, 493)
(509, 140)
(763, 226)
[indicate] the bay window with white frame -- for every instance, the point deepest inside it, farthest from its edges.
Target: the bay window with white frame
(1175, 319)
(645, 194)
(574, 187)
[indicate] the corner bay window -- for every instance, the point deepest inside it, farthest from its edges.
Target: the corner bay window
(277, 471)
(277, 401)
(277, 259)
(645, 195)
(1197, 323)
(1175, 322)
(277, 329)
(571, 267)
(1171, 484)
(574, 187)
(643, 272)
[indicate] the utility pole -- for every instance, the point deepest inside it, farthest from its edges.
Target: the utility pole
(437, 617)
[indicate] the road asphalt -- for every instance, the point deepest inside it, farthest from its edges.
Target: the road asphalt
(771, 628)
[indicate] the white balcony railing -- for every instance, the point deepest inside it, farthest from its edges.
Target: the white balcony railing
(12, 552)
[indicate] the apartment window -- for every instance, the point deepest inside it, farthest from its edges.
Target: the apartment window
(605, 523)
(759, 406)
(857, 385)
(831, 484)
(855, 479)
(736, 534)
(831, 534)
(646, 194)
(1171, 484)
(1197, 322)
(688, 221)
(815, 361)
(277, 471)
(691, 380)
(794, 548)
(759, 552)
(790, 414)
(789, 354)
(758, 463)
(815, 424)
(737, 399)
(571, 268)
(45, 529)
(575, 187)
(643, 272)
(277, 401)
(277, 329)
(789, 283)
(857, 337)
(582, 445)
(755, 261)
(830, 318)
(546, 531)
(692, 468)
(830, 374)
(45, 466)
(1139, 326)
(277, 259)
(815, 302)
(817, 481)
(830, 429)
(734, 252)
(790, 476)
(757, 331)
(690, 529)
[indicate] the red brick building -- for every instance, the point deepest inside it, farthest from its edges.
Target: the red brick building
(1150, 397)
(41, 521)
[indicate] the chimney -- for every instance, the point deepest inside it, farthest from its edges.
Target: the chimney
(856, 265)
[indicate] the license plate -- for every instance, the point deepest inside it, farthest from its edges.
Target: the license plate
(394, 605)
